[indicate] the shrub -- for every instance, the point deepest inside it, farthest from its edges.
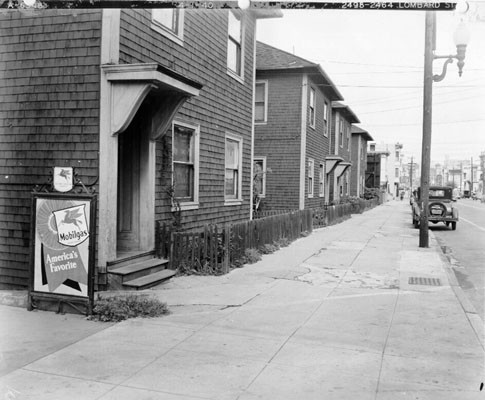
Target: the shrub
(252, 255)
(119, 308)
(268, 248)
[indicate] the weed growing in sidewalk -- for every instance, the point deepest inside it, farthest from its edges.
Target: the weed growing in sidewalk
(119, 308)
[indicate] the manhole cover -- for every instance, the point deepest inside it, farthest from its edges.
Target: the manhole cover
(416, 280)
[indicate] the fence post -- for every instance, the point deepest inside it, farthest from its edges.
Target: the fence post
(226, 239)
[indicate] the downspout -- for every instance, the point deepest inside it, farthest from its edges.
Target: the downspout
(251, 189)
(304, 107)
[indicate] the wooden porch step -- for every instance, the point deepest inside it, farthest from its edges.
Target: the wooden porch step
(137, 266)
(147, 281)
(130, 257)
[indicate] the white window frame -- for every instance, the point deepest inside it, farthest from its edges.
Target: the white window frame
(263, 180)
(238, 199)
(321, 182)
(175, 36)
(312, 106)
(240, 17)
(348, 137)
(265, 119)
(188, 204)
(341, 132)
(311, 177)
(326, 119)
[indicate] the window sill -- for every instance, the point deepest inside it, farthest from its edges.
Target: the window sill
(187, 206)
(235, 76)
(168, 34)
(233, 202)
(261, 123)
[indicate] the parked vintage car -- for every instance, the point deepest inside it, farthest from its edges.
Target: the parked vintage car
(441, 207)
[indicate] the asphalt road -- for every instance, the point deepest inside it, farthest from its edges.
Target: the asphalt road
(466, 246)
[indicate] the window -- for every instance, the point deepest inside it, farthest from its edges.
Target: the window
(260, 101)
(312, 107)
(341, 133)
(234, 44)
(321, 182)
(396, 172)
(348, 137)
(233, 168)
(372, 147)
(397, 155)
(185, 147)
(325, 118)
(259, 176)
(169, 22)
(310, 177)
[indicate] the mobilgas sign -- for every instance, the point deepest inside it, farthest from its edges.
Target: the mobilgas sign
(61, 253)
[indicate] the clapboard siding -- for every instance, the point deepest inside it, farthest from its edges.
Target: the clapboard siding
(223, 106)
(49, 116)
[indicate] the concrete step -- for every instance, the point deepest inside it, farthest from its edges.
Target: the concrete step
(147, 281)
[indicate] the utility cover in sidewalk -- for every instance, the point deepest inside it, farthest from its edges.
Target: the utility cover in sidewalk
(416, 280)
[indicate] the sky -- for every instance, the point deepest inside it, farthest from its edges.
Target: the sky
(376, 59)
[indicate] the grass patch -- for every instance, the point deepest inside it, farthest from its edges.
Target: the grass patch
(119, 308)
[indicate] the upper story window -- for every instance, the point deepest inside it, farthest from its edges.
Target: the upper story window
(169, 22)
(235, 44)
(312, 107)
(260, 102)
(185, 179)
(233, 168)
(372, 147)
(326, 118)
(347, 128)
(341, 133)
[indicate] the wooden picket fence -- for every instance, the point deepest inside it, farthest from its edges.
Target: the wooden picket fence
(214, 249)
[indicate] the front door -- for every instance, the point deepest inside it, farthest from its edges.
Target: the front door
(129, 176)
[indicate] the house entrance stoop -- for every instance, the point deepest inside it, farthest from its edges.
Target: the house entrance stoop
(137, 271)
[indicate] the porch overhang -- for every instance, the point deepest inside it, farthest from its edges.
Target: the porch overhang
(331, 163)
(132, 83)
(341, 168)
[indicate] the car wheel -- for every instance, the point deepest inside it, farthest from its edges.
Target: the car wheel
(447, 223)
(453, 226)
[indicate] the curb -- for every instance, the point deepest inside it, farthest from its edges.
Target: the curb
(470, 311)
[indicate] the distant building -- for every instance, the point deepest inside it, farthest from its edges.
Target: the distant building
(360, 137)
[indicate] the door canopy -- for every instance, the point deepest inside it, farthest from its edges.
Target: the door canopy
(331, 163)
(341, 168)
(130, 84)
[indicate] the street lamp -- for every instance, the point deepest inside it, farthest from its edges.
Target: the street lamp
(461, 38)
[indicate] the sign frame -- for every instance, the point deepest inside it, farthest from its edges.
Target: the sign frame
(35, 297)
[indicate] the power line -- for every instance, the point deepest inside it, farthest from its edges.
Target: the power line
(435, 123)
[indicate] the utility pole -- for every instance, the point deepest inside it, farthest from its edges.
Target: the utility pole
(471, 177)
(429, 46)
(461, 177)
(411, 177)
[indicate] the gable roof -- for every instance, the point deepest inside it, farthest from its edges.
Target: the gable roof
(269, 58)
(346, 111)
(356, 130)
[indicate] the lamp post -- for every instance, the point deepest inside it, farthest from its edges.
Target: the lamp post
(461, 38)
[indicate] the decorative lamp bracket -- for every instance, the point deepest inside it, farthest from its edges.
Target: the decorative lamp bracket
(439, 78)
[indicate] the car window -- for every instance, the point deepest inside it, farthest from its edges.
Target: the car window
(437, 193)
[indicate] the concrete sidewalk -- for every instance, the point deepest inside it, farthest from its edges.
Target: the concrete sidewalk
(332, 316)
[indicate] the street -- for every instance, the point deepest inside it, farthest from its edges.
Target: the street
(465, 246)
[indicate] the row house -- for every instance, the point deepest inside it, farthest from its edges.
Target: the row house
(153, 109)
(360, 137)
(341, 146)
(293, 122)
